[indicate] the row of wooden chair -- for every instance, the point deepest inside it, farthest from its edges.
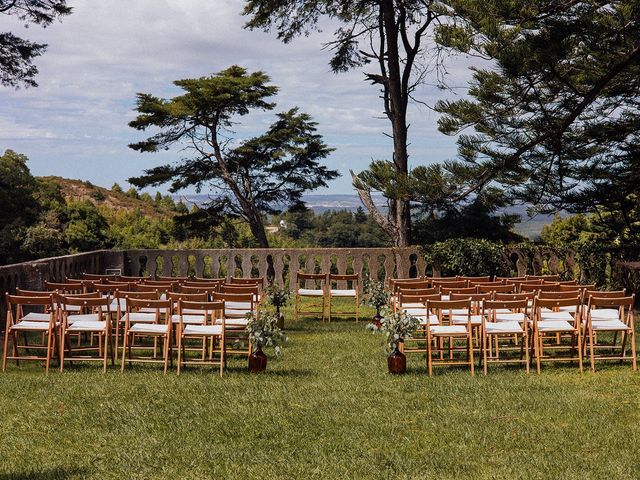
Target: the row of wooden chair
(57, 316)
(325, 287)
(527, 321)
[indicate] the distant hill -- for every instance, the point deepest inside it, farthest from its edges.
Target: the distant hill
(103, 197)
(528, 227)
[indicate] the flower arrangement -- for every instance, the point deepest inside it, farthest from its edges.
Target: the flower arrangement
(396, 326)
(264, 332)
(278, 296)
(377, 296)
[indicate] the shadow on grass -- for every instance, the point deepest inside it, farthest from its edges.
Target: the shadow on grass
(50, 474)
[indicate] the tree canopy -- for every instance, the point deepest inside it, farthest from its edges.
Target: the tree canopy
(247, 178)
(388, 36)
(556, 116)
(17, 54)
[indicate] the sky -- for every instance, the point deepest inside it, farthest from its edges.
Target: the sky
(74, 124)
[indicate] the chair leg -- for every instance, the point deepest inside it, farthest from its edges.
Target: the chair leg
(633, 349)
(470, 354)
(166, 353)
(6, 346)
(124, 349)
(526, 350)
(62, 335)
(48, 361)
(591, 353)
(538, 346)
(483, 346)
(179, 335)
(579, 352)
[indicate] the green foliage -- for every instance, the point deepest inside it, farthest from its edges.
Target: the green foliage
(466, 256)
(264, 332)
(86, 228)
(16, 54)
(556, 115)
(116, 188)
(278, 296)
(376, 294)
(564, 231)
(396, 327)
(248, 179)
(334, 228)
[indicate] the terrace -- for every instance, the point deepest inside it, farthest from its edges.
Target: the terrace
(326, 409)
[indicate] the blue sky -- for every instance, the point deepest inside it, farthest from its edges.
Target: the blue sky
(75, 123)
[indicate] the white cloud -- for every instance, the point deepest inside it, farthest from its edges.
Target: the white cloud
(75, 122)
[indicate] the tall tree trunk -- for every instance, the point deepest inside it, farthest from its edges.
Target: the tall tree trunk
(398, 116)
(256, 225)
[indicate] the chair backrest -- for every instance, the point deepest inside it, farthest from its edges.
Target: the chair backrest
(348, 280)
(143, 287)
(110, 288)
(198, 289)
(548, 278)
(214, 284)
(564, 287)
(555, 303)
(503, 288)
(133, 304)
(175, 297)
(392, 281)
(94, 276)
(417, 298)
(481, 278)
(508, 297)
(302, 277)
(401, 292)
(247, 281)
(445, 307)
(409, 285)
(161, 283)
(64, 287)
(563, 282)
(510, 279)
(237, 305)
(122, 278)
(474, 283)
(448, 291)
(227, 288)
(207, 280)
(137, 295)
(449, 283)
(490, 307)
(32, 293)
(160, 278)
(16, 302)
(565, 294)
(88, 302)
(604, 294)
(539, 287)
(621, 303)
(211, 310)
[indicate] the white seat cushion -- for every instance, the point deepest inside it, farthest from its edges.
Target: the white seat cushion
(603, 313)
(36, 317)
(203, 330)
(456, 311)
(188, 319)
(504, 327)
(137, 317)
(566, 316)
(554, 326)
(412, 305)
(70, 308)
(39, 326)
(612, 325)
(310, 292)
(463, 319)
(448, 330)
(510, 317)
(86, 317)
(121, 302)
(433, 319)
(234, 322)
(88, 326)
(343, 293)
(237, 305)
(149, 328)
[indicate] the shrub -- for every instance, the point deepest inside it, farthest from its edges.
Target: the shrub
(467, 256)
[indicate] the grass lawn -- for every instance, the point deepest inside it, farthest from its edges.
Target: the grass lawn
(327, 409)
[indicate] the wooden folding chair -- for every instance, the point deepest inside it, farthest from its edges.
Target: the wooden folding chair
(213, 329)
(254, 289)
(349, 280)
(160, 278)
(213, 284)
(247, 281)
(453, 333)
(318, 279)
(134, 316)
(94, 276)
(544, 278)
(604, 324)
(496, 288)
(470, 280)
(21, 322)
(160, 329)
(238, 308)
(498, 325)
(548, 321)
(95, 321)
(448, 283)
(461, 316)
(402, 284)
(415, 305)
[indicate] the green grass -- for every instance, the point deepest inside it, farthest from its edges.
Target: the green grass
(327, 409)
